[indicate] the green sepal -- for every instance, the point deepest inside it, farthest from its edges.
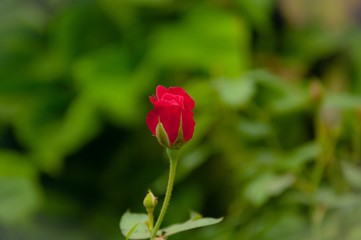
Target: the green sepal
(163, 138)
(162, 135)
(179, 142)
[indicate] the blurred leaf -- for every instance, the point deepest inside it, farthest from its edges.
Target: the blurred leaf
(254, 129)
(153, 3)
(267, 185)
(208, 39)
(295, 160)
(235, 93)
(343, 101)
(343, 222)
(206, 107)
(355, 233)
(259, 11)
(80, 124)
(288, 224)
(19, 192)
(190, 224)
(310, 44)
(191, 161)
(295, 100)
(18, 198)
(14, 164)
(134, 223)
(329, 198)
(277, 95)
(52, 140)
(352, 174)
(106, 79)
(203, 94)
(355, 56)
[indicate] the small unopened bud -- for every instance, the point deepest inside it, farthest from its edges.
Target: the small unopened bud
(150, 201)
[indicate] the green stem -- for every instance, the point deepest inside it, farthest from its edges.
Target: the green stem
(173, 157)
(151, 220)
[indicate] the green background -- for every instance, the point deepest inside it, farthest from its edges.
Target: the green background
(277, 145)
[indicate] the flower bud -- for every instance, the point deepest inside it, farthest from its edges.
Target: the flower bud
(171, 120)
(150, 201)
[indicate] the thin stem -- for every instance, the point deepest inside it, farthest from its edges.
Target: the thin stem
(173, 157)
(151, 221)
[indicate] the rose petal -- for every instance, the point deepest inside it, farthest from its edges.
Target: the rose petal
(152, 120)
(188, 102)
(166, 103)
(170, 118)
(160, 91)
(188, 124)
(173, 99)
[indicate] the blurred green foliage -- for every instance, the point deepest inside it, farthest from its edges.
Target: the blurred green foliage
(277, 146)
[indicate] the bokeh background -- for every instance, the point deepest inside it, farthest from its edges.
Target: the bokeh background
(277, 146)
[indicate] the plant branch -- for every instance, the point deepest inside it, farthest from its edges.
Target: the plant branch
(173, 157)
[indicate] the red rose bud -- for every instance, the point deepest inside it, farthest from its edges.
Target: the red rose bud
(171, 120)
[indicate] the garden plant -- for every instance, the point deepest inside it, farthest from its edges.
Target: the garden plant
(171, 121)
(255, 115)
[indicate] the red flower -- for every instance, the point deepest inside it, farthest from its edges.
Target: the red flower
(171, 120)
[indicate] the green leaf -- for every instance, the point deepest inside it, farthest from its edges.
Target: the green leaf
(343, 101)
(352, 174)
(133, 225)
(106, 78)
(213, 47)
(20, 195)
(236, 92)
(295, 160)
(190, 224)
(19, 198)
(267, 185)
(14, 164)
(259, 12)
